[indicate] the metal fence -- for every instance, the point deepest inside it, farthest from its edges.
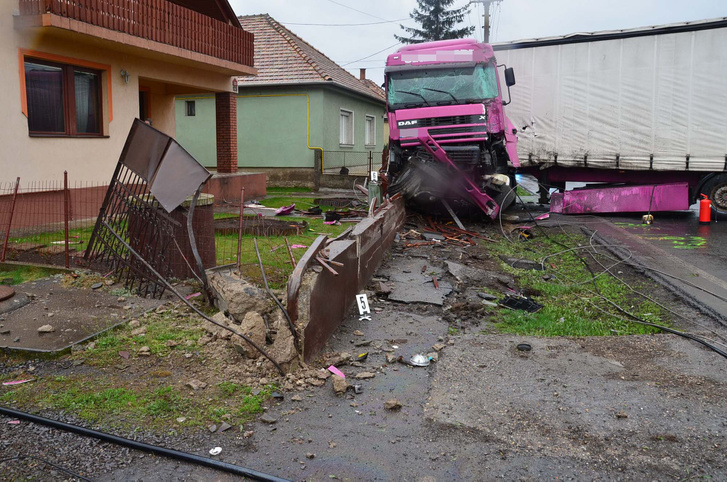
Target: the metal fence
(358, 163)
(47, 221)
(51, 222)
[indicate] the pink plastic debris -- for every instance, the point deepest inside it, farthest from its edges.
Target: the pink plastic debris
(285, 210)
(193, 295)
(13, 422)
(18, 382)
(298, 246)
(336, 371)
(543, 216)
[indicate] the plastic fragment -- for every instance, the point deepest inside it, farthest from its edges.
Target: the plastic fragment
(336, 371)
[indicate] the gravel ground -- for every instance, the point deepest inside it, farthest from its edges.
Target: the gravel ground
(627, 408)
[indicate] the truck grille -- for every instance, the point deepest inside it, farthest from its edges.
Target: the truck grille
(462, 155)
(457, 130)
(448, 121)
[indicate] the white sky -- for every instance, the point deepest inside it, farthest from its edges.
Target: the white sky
(512, 20)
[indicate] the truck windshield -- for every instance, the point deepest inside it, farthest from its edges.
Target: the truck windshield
(458, 85)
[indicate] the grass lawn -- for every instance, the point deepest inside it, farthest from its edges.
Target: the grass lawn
(572, 304)
(105, 393)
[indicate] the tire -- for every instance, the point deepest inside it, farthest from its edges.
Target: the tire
(716, 191)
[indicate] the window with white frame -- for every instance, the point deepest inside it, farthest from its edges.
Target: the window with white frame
(346, 135)
(370, 130)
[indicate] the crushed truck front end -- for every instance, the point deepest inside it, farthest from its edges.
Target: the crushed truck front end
(450, 139)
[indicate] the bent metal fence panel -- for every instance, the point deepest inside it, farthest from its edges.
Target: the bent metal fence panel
(139, 217)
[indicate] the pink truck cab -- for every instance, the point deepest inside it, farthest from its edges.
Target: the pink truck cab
(449, 137)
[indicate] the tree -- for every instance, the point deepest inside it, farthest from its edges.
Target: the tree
(437, 22)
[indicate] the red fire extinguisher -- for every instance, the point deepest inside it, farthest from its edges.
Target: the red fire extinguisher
(705, 210)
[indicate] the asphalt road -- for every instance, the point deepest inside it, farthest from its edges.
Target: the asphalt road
(681, 235)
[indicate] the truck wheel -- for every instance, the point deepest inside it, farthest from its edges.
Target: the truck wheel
(716, 191)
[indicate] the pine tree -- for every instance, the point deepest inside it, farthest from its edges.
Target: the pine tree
(437, 23)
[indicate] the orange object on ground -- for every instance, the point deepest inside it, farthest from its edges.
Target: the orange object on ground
(705, 210)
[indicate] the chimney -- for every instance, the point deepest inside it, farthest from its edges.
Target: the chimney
(362, 74)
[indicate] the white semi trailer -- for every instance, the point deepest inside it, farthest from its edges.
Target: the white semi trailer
(644, 106)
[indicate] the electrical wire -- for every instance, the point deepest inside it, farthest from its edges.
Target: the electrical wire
(369, 56)
(630, 315)
(347, 24)
(356, 10)
(56, 466)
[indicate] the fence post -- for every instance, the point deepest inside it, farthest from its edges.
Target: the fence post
(317, 169)
(239, 231)
(66, 210)
(10, 221)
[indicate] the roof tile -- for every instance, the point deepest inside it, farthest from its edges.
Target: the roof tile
(281, 57)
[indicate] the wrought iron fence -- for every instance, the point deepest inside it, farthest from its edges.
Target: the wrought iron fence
(51, 222)
(47, 222)
(358, 163)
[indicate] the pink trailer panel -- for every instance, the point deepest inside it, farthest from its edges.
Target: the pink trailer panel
(622, 199)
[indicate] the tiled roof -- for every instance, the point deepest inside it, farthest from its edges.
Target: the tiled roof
(281, 57)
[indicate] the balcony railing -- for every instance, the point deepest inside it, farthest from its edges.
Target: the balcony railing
(157, 20)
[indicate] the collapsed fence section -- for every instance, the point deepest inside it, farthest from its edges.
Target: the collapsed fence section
(48, 222)
(36, 221)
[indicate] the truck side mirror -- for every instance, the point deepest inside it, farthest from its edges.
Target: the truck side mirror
(509, 77)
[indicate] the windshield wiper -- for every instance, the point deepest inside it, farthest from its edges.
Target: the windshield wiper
(443, 92)
(414, 93)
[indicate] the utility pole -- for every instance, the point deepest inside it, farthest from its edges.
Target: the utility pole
(486, 16)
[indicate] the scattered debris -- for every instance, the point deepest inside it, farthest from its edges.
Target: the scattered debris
(419, 361)
(285, 210)
(248, 434)
(96, 286)
(310, 455)
(269, 419)
(358, 389)
(196, 385)
(622, 415)
(296, 398)
(124, 354)
(520, 303)
(18, 382)
(340, 385)
(487, 296)
(524, 347)
(336, 371)
(144, 351)
(181, 419)
(364, 376)
(438, 346)
(212, 428)
(46, 329)
(216, 451)
(393, 404)
(223, 427)
(277, 396)
(522, 263)
(358, 333)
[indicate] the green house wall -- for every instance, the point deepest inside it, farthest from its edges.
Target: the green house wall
(276, 126)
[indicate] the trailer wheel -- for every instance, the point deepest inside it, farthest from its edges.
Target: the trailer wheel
(716, 191)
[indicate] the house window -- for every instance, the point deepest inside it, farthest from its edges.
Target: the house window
(63, 100)
(370, 130)
(189, 108)
(346, 137)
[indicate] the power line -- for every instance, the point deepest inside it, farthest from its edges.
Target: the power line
(346, 24)
(356, 10)
(369, 56)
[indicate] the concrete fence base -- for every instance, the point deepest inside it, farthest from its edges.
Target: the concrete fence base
(318, 300)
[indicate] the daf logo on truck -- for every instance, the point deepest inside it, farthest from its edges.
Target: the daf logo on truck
(407, 123)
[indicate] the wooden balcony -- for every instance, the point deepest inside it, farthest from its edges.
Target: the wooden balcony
(157, 21)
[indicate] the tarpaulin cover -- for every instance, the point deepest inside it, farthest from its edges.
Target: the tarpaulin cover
(171, 172)
(615, 103)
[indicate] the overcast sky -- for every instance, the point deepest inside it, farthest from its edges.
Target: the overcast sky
(355, 47)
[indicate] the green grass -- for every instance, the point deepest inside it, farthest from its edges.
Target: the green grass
(15, 274)
(154, 396)
(571, 305)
